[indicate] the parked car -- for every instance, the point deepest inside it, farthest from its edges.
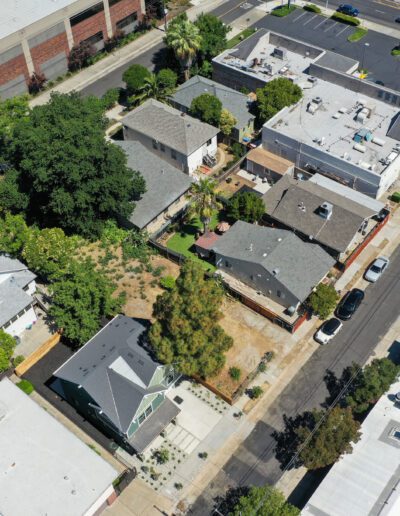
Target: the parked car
(349, 304)
(348, 9)
(376, 269)
(328, 330)
(397, 20)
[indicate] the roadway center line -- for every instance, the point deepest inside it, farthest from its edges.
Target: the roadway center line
(331, 26)
(345, 28)
(308, 21)
(298, 18)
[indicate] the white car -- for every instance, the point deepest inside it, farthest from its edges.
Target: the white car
(375, 271)
(328, 330)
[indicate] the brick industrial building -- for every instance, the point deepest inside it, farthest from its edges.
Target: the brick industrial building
(37, 35)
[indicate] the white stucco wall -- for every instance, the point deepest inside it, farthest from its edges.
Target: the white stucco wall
(195, 159)
(17, 327)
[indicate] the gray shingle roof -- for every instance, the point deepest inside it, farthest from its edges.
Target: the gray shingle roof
(12, 300)
(114, 369)
(234, 101)
(21, 274)
(301, 266)
(284, 200)
(169, 126)
(164, 183)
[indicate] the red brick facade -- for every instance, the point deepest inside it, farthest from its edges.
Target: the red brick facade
(89, 27)
(13, 68)
(124, 8)
(49, 49)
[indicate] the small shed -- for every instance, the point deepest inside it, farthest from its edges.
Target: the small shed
(267, 165)
(204, 244)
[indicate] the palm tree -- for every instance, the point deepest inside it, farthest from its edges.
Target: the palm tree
(184, 38)
(204, 201)
(152, 89)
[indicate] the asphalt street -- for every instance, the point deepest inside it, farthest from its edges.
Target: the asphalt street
(154, 58)
(254, 463)
(331, 35)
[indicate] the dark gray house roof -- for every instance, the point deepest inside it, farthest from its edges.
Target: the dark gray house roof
(295, 264)
(164, 183)
(114, 369)
(237, 103)
(169, 126)
(20, 272)
(296, 205)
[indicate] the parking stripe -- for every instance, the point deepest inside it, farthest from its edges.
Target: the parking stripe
(320, 23)
(330, 27)
(345, 28)
(298, 18)
(308, 21)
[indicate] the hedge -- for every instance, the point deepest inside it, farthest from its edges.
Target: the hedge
(357, 35)
(26, 386)
(283, 11)
(344, 18)
(312, 8)
(395, 197)
(395, 51)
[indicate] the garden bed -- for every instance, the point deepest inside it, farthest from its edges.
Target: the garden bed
(240, 37)
(283, 10)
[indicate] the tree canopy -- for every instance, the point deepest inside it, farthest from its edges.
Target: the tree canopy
(204, 200)
(12, 111)
(14, 234)
(226, 121)
(213, 34)
(323, 300)
(67, 175)
(7, 345)
(264, 501)
(186, 332)
(246, 206)
(134, 78)
(276, 95)
(330, 440)
(207, 108)
(157, 86)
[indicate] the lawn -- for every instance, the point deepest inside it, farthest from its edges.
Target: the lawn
(357, 35)
(283, 10)
(182, 241)
(240, 37)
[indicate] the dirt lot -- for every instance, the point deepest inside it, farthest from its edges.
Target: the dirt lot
(141, 283)
(253, 336)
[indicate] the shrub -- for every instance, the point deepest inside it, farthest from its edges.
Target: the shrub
(344, 18)
(256, 392)
(111, 43)
(36, 83)
(395, 197)
(161, 455)
(18, 360)
(178, 486)
(167, 282)
(395, 51)
(134, 78)
(312, 8)
(110, 98)
(235, 373)
(283, 10)
(26, 386)
(203, 455)
(323, 300)
(80, 55)
(357, 35)
(262, 367)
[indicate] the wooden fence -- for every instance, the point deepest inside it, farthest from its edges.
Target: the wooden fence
(34, 357)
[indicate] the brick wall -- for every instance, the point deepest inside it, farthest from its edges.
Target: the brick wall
(13, 68)
(48, 49)
(124, 8)
(89, 27)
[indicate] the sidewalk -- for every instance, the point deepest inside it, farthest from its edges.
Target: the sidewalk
(120, 57)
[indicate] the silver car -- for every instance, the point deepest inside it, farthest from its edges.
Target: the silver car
(376, 269)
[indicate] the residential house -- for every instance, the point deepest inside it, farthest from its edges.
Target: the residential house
(166, 188)
(173, 136)
(115, 382)
(322, 211)
(273, 261)
(234, 101)
(44, 467)
(17, 286)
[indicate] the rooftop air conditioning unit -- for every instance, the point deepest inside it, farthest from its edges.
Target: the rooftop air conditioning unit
(325, 210)
(280, 53)
(312, 79)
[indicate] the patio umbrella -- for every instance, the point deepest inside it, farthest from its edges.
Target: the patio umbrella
(223, 227)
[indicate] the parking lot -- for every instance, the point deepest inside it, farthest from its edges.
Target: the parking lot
(331, 35)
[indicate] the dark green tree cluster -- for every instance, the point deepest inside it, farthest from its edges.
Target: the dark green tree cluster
(186, 332)
(157, 86)
(207, 108)
(246, 206)
(276, 95)
(64, 173)
(261, 501)
(213, 34)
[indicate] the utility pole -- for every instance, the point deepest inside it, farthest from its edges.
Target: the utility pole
(165, 12)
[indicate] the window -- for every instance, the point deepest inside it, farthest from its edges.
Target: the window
(113, 2)
(209, 142)
(142, 417)
(14, 318)
(173, 154)
(7, 325)
(121, 24)
(154, 142)
(88, 13)
(95, 38)
(149, 410)
(162, 147)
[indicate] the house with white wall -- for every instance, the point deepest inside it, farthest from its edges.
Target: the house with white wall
(175, 137)
(17, 286)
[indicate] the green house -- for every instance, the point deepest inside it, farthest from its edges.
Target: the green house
(114, 382)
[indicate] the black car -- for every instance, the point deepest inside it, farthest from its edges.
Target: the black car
(349, 304)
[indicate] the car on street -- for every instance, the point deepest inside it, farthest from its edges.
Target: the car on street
(328, 330)
(348, 9)
(397, 20)
(376, 269)
(349, 304)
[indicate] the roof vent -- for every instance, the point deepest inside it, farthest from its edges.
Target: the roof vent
(279, 239)
(275, 272)
(325, 210)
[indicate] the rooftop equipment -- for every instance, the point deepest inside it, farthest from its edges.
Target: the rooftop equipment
(279, 53)
(325, 210)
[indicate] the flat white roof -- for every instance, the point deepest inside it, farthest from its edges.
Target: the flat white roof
(368, 480)
(44, 468)
(18, 14)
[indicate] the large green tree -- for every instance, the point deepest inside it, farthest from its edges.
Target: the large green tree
(7, 345)
(158, 87)
(72, 177)
(264, 501)
(323, 300)
(320, 446)
(204, 201)
(14, 234)
(276, 95)
(186, 332)
(134, 78)
(207, 108)
(213, 34)
(12, 111)
(183, 37)
(79, 300)
(227, 121)
(246, 206)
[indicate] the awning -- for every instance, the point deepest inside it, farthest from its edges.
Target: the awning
(269, 161)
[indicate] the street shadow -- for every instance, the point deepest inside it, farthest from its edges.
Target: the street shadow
(165, 58)
(287, 441)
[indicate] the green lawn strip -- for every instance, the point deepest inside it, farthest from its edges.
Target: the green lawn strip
(344, 18)
(283, 11)
(312, 8)
(26, 386)
(240, 37)
(357, 35)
